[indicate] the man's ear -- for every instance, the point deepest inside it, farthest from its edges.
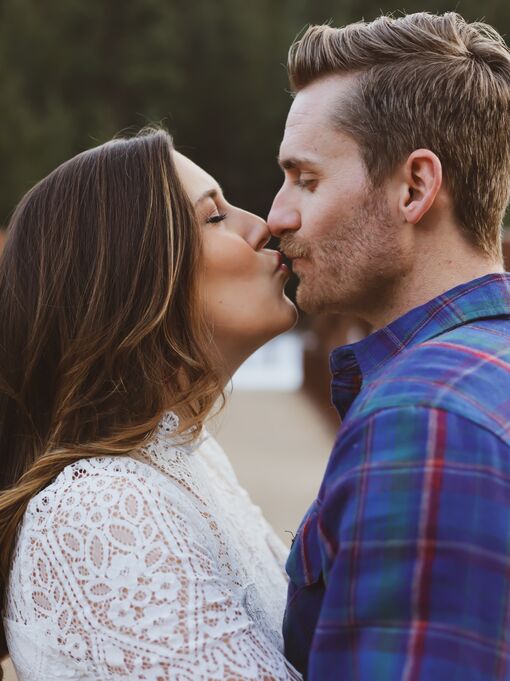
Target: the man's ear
(421, 177)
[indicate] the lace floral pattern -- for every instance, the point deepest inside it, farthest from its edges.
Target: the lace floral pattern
(151, 567)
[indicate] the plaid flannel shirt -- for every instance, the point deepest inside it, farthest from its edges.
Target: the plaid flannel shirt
(401, 566)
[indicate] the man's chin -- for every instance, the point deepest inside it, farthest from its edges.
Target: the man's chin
(308, 302)
(311, 302)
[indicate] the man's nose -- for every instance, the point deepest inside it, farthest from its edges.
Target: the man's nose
(282, 218)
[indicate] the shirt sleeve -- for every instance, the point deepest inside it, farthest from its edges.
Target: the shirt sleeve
(143, 594)
(414, 521)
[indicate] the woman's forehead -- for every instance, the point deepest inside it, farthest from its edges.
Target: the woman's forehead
(195, 180)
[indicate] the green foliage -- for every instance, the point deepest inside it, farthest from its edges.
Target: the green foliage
(74, 73)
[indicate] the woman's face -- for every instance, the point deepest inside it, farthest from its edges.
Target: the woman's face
(243, 282)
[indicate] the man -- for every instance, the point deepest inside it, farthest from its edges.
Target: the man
(396, 157)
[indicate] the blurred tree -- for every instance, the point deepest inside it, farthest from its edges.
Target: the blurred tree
(74, 74)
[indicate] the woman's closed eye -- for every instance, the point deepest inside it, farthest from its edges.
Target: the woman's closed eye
(216, 218)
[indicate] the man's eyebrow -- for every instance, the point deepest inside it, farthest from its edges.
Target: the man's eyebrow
(291, 162)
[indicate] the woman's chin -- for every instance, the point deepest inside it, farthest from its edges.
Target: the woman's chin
(293, 314)
(239, 341)
(283, 319)
(286, 318)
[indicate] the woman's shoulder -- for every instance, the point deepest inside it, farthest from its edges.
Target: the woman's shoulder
(104, 513)
(92, 474)
(91, 492)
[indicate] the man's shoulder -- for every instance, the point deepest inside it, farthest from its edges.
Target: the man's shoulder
(481, 347)
(465, 371)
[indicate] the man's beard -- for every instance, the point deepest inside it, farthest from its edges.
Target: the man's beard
(354, 267)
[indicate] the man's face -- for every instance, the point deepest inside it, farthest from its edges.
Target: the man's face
(337, 229)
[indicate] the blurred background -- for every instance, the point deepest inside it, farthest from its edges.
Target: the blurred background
(75, 73)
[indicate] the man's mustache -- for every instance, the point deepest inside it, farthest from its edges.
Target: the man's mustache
(292, 248)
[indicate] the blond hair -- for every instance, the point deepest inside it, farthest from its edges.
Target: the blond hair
(424, 81)
(102, 330)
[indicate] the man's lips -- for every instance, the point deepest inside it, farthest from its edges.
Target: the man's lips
(294, 260)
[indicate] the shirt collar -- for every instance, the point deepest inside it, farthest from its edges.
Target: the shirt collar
(166, 430)
(351, 365)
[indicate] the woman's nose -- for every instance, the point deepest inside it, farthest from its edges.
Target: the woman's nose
(253, 230)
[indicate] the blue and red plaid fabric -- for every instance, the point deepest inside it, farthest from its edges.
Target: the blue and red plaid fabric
(401, 567)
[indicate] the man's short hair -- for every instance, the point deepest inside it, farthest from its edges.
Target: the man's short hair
(425, 81)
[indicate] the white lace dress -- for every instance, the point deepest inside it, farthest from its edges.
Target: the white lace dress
(156, 567)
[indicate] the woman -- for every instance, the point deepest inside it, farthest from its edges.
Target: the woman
(129, 293)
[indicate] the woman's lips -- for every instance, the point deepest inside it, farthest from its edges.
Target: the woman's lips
(281, 266)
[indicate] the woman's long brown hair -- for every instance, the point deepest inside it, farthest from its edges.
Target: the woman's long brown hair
(101, 330)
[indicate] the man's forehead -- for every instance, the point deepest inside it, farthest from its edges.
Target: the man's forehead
(319, 98)
(306, 111)
(310, 128)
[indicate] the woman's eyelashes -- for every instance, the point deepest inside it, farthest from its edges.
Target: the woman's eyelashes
(216, 218)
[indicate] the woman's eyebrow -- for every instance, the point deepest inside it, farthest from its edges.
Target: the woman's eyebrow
(209, 194)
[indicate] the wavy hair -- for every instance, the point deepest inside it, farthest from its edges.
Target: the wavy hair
(102, 329)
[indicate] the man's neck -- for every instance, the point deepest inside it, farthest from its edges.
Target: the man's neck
(428, 279)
